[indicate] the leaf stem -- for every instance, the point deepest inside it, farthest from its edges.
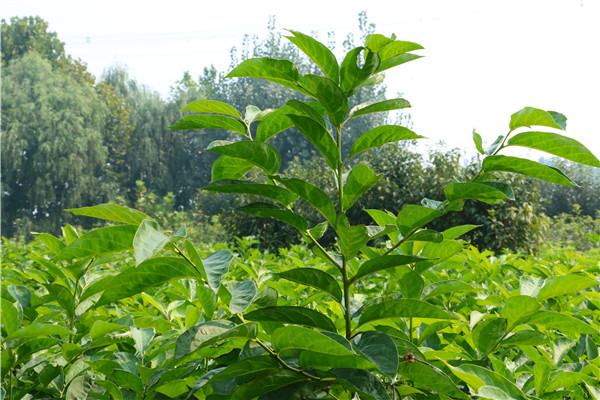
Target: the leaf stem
(289, 367)
(182, 254)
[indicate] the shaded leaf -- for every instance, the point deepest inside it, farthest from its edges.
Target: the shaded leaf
(526, 167)
(292, 315)
(562, 322)
(37, 329)
(488, 333)
(150, 273)
(329, 95)
(380, 136)
(111, 212)
(316, 134)
(318, 53)
(443, 287)
(517, 309)
(212, 106)
(351, 238)
(526, 338)
(557, 145)
(260, 154)
(363, 381)
(314, 278)
(204, 121)
(413, 217)
(359, 180)
(226, 167)
(403, 308)
(100, 241)
(380, 106)
(273, 192)
(217, 265)
(431, 378)
(564, 284)
(282, 72)
(313, 195)
(242, 296)
(384, 262)
(266, 210)
(212, 332)
(381, 350)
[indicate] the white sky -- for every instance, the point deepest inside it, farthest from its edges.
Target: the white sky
(484, 59)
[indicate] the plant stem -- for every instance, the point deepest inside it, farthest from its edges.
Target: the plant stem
(182, 254)
(347, 315)
(289, 367)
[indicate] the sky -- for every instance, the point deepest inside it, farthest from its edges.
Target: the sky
(484, 59)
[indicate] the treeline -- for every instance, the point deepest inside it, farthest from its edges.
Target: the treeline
(70, 140)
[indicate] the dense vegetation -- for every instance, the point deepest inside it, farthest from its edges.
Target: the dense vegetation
(375, 304)
(70, 141)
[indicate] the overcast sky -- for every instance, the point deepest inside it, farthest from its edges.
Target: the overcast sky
(483, 60)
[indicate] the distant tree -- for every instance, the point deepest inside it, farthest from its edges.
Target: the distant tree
(53, 155)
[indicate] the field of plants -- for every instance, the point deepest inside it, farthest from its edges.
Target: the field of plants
(399, 306)
(77, 324)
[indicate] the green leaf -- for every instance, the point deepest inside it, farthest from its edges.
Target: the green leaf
(529, 116)
(150, 273)
(457, 231)
(149, 240)
(351, 238)
(375, 42)
(217, 265)
(565, 379)
(403, 308)
(296, 337)
(478, 191)
(564, 284)
(319, 230)
(10, 316)
(63, 296)
(557, 145)
(226, 167)
(363, 381)
(313, 195)
(526, 338)
(478, 142)
(443, 287)
(380, 348)
(261, 154)
(359, 180)
(210, 333)
(319, 137)
(318, 53)
(412, 217)
(242, 296)
(559, 118)
(328, 93)
(100, 241)
(494, 393)
(394, 61)
(562, 322)
(127, 380)
(282, 72)
(273, 192)
(425, 375)
(292, 315)
(526, 167)
(213, 107)
(488, 333)
(39, 329)
(380, 106)
(142, 338)
(380, 136)
(489, 378)
(517, 309)
(384, 262)
(410, 282)
(426, 235)
(306, 109)
(314, 278)
(53, 243)
(396, 48)
(278, 121)
(203, 121)
(266, 210)
(111, 212)
(249, 366)
(103, 328)
(266, 384)
(353, 76)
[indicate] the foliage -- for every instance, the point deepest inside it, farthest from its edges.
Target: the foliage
(573, 230)
(52, 144)
(134, 311)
